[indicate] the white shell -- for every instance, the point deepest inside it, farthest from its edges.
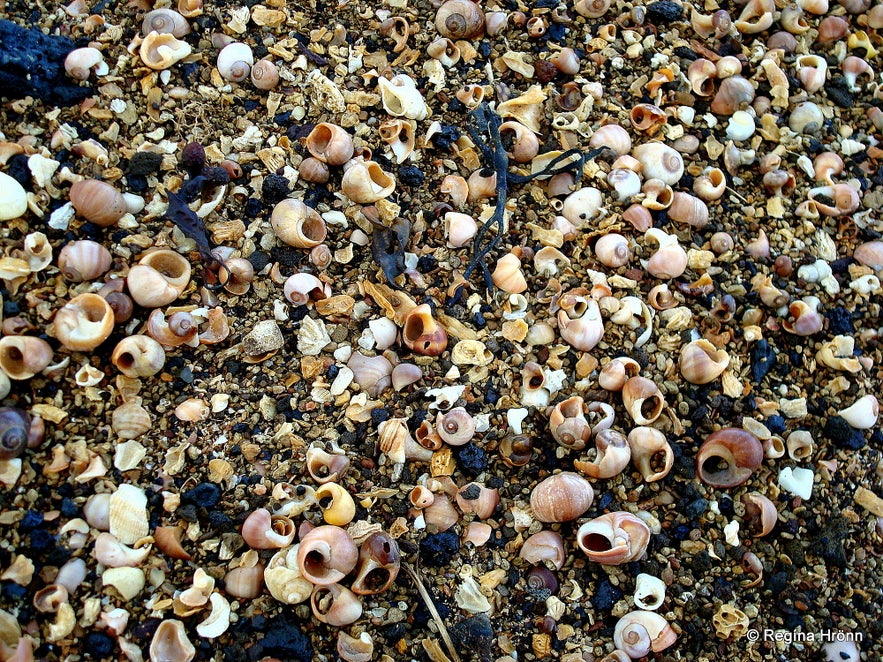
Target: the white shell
(797, 481)
(128, 514)
(127, 581)
(582, 205)
(649, 591)
(384, 331)
(863, 413)
(231, 53)
(218, 619)
(13, 199)
(740, 126)
(401, 98)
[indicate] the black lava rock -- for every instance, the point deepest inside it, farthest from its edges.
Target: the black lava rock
(775, 424)
(840, 321)
(205, 495)
(475, 634)
(275, 188)
(439, 549)
(471, 459)
(763, 359)
(842, 434)
(99, 645)
(606, 595)
(285, 640)
(411, 175)
(144, 163)
(664, 12)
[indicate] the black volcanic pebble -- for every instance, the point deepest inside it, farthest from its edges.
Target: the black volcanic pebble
(439, 549)
(144, 163)
(664, 12)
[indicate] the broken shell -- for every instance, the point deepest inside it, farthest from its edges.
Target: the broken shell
(130, 420)
(84, 322)
(168, 541)
(561, 498)
(326, 555)
(401, 98)
(456, 187)
(98, 202)
(112, 553)
(862, 414)
(235, 61)
(365, 182)
(445, 51)
(298, 225)
(611, 458)
(700, 362)
(584, 332)
(218, 620)
(459, 228)
(614, 538)
(760, 514)
(330, 143)
(264, 340)
(352, 649)
(728, 457)
(421, 333)
(371, 373)
(81, 62)
(478, 499)
(338, 507)
(544, 546)
(170, 643)
(568, 424)
(582, 206)
(302, 288)
(640, 632)
(127, 514)
(138, 356)
(379, 564)
(335, 605)
(651, 453)
(643, 400)
(13, 198)
(325, 467)
(649, 591)
(159, 278)
(261, 530)
(22, 357)
(192, 410)
(161, 51)
(523, 143)
(647, 118)
(83, 260)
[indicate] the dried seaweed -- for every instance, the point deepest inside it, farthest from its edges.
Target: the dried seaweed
(388, 247)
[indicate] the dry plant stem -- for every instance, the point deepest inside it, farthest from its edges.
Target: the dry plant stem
(483, 125)
(443, 631)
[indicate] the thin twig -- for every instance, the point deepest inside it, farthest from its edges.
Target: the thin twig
(442, 630)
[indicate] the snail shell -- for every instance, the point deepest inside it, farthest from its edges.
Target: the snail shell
(326, 555)
(22, 357)
(98, 202)
(81, 62)
(640, 632)
(561, 498)
(614, 538)
(737, 451)
(159, 278)
(165, 21)
(84, 322)
(365, 182)
(701, 362)
(330, 143)
(298, 225)
(265, 75)
(170, 642)
(15, 426)
(459, 19)
(83, 260)
(235, 61)
(161, 51)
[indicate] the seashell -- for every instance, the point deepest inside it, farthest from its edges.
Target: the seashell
(522, 144)
(83, 260)
(81, 62)
(582, 206)
(647, 118)
(592, 8)
(701, 363)
(325, 467)
(264, 75)
(640, 632)
(710, 185)
(544, 546)
(445, 51)
(159, 278)
(670, 259)
(168, 541)
(734, 93)
(701, 75)
(806, 117)
(13, 198)
(237, 274)
(584, 332)
(807, 321)
(826, 165)
(659, 161)
(352, 649)
(870, 254)
(440, 515)
(84, 322)
(456, 187)
(235, 61)
(365, 182)
(611, 458)
(335, 605)
(845, 199)
(313, 170)
(853, 67)
(421, 333)
(657, 194)
(130, 420)
(405, 374)
(379, 564)
(338, 507)
(459, 19)
(98, 202)
(330, 143)
(302, 288)
(456, 426)
(161, 51)
(15, 427)
(862, 414)
(651, 453)
(614, 538)
(756, 16)
(421, 497)
(372, 374)
(459, 228)
(218, 620)
(625, 183)
(561, 497)
(760, 513)
(614, 374)
(728, 457)
(401, 98)
(112, 553)
(296, 498)
(246, 581)
(800, 445)
(138, 356)
(262, 530)
(612, 250)
(688, 209)
(477, 533)
(566, 61)
(401, 137)
(127, 514)
(568, 424)
(97, 511)
(178, 329)
(649, 591)
(170, 643)
(642, 400)
(165, 21)
(508, 276)
(470, 95)
(192, 410)
(22, 357)
(482, 184)
(613, 137)
(516, 450)
(812, 71)
(478, 499)
(298, 225)
(326, 555)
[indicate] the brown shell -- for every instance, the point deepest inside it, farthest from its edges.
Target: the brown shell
(97, 202)
(561, 498)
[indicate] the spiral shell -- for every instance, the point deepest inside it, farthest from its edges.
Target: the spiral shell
(735, 452)
(561, 498)
(614, 538)
(365, 182)
(639, 633)
(165, 21)
(98, 202)
(22, 357)
(298, 225)
(459, 19)
(159, 278)
(265, 75)
(161, 51)
(15, 426)
(330, 143)
(84, 322)
(235, 61)
(83, 260)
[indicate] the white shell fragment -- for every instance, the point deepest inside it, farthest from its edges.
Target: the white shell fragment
(13, 200)
(863, 413)
(218, 619)
(797, 481)
(649, 591)
(128, 514)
